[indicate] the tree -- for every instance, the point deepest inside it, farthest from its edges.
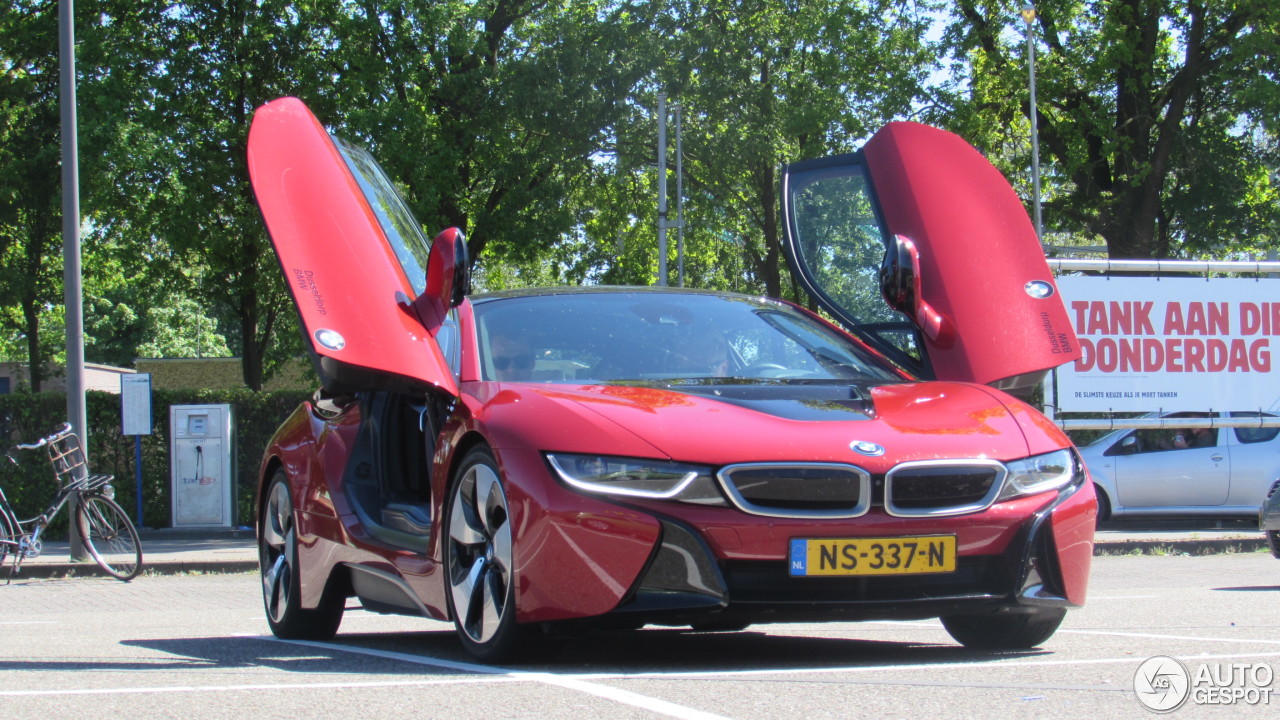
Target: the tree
(221, 59)
(488, 112)
(1149, 114)
(31, 211)
(759, 84)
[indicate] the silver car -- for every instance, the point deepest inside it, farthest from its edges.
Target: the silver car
(1223, 472)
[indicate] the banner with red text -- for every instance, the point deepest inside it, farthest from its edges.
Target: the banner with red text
(1169, 344)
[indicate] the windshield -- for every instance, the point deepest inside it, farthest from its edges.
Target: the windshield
(638, 336)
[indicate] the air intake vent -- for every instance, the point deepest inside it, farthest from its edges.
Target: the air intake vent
(798, 490)
(946, 487)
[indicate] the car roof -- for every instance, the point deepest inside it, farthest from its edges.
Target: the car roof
(611, 290)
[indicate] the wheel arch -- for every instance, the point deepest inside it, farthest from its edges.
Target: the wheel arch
(1105, 503)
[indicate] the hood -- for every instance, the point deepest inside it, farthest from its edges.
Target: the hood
(722, 423)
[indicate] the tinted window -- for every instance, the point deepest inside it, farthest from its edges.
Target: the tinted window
(1255, 435)
(585, 337)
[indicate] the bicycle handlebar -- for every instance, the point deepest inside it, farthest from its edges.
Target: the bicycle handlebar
(55, 436)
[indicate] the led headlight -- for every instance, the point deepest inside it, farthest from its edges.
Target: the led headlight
(637, 477)
(1039, 473)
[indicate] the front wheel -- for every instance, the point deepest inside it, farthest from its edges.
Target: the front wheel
(1005, 631)
(109, 536)
(479, 558)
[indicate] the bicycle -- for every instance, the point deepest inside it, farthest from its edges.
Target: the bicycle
(105, 530)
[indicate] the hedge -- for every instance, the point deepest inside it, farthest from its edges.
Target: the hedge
(25, 417)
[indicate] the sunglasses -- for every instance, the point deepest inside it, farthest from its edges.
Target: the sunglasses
(519, 362)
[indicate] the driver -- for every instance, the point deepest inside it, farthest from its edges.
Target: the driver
(512, 358)
(704, 354)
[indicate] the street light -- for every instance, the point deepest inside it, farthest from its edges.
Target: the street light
(1028, 17)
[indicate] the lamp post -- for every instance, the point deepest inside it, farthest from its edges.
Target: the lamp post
(1028, 17)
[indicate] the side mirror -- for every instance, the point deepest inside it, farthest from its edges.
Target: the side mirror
(1128, 446)
(900, 285)
(448, 279)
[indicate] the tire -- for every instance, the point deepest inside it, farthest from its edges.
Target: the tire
(1004, 631)
(479, 557)
(8, 532)
(109, 536)
(282, 577)
(1104, 507)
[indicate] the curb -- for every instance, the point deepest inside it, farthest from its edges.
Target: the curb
(49, 570)
(59, 570)
(1180, 547)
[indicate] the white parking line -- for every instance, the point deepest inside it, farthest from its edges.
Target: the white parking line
(569, 682)
(1003, 662)
(588, 683)
(1156, 636)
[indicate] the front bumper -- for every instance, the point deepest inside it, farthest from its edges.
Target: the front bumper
(1044, 565)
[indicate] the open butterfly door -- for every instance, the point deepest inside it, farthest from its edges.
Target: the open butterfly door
(919, 245)
(371, 291)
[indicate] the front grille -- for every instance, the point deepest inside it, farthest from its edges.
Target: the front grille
(798, 490)
(932, 488)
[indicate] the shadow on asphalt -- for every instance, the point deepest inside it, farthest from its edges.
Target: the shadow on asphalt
(638, 652)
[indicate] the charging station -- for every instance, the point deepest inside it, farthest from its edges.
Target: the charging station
(201, 469)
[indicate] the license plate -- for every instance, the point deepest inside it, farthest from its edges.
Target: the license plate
(873, 556)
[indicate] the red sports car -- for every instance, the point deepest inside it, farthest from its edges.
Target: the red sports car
(542, 461)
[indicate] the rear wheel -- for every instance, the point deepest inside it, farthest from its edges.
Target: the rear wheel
(281, 576)
(1005, 631)
(109, 536)
(479, 557)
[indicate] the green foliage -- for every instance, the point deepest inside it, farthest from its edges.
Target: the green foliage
(1156, 117)
(26, 417)
(531, 124)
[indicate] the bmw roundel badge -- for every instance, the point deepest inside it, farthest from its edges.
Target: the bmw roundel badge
(865, 447)
(1038, 289)
(330, 339)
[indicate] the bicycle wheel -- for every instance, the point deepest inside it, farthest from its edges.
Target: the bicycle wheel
(8, 536)
(109, 536)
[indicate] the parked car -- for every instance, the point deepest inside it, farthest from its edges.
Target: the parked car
(551, 460)
(1205, 471)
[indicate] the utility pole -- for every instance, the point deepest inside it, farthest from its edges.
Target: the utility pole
(662, 189)
(1028, 17)
(679, 201)
(73, 296)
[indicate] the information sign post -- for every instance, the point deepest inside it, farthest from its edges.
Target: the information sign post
(135, 420)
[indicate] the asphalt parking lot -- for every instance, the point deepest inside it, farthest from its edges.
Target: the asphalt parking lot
(195, 645)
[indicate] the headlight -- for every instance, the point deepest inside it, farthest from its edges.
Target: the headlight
(1039, 473)
(637, 477)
